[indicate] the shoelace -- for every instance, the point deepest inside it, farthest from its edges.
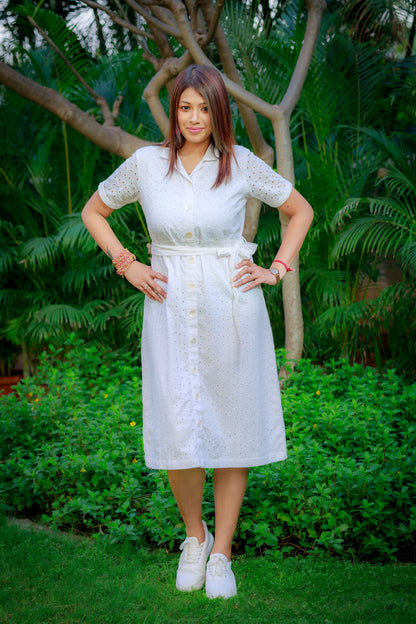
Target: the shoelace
(217, 567)
(192, 549)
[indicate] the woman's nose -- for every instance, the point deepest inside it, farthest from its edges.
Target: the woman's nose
(195, 115)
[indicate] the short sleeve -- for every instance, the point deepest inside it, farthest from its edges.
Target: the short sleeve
(265, 184)
(122, 187)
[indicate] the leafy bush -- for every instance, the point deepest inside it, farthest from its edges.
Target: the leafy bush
(71, 453)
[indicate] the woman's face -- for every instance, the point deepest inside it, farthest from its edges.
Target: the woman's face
(193, 118)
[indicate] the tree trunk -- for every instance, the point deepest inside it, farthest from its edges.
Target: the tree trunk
(291, 287)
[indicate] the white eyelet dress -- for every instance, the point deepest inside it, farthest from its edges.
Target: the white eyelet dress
(211, 395)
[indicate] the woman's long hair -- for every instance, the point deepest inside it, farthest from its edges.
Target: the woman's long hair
(208, 83)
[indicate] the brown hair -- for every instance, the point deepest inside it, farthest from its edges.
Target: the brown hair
(207, 81)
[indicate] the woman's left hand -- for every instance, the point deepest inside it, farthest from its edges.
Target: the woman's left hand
(253, 275)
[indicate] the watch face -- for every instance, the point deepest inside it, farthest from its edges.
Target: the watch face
(276, 273)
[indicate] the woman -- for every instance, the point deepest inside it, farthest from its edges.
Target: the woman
(210, 388)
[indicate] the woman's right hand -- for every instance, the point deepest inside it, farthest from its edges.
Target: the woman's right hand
(143, 277)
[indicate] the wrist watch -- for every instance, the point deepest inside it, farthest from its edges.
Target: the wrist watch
(276, 273)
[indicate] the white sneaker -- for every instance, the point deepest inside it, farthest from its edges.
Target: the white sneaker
(220, 581)
(192, 562)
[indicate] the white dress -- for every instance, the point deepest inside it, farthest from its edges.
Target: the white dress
(211, 395)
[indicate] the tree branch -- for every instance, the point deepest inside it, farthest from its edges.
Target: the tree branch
(141, 41)
(164, 15)
(190, 43)
(261, 148)
(53, 45)
(112, 139)
(151, 20)
(171, 67)
(313, 24)
(163, 45)
(193, 13)
(118, 20)
(214, 19)
(99, 99)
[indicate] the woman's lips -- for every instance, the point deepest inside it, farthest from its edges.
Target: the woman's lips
(194, 130)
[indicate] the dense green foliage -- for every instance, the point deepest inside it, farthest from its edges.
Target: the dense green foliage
(71, 453)
(51, 278)
(353, 138)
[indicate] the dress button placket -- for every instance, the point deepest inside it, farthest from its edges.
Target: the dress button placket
(192, 313)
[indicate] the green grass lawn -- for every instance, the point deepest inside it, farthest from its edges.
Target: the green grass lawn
(52, 578)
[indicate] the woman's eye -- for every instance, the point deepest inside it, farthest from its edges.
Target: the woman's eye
(184, 108)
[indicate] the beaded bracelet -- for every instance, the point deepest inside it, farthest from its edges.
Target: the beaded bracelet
(122, 261)
(288, 269)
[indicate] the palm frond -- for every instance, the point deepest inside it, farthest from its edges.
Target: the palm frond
(72, 235)
(397, 295)
(101, 320)
(59, 315)
(7, 259)
(326, 288)
(340, 318)
(408, 257)
(269, 231)
(39, 251)
(399, 184)
(88, 272)
(65, 38)
(22, 329)
(10, 300)
(378, 234)
(132, 308)
(388, 229)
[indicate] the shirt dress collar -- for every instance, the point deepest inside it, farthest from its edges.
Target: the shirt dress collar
(211, 154)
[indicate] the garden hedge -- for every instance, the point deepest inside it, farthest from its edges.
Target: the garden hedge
(71, 455)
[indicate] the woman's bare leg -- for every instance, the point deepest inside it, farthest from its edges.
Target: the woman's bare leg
(229, 487)
(187, 487)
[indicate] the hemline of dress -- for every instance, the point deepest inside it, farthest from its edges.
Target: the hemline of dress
(249, 463)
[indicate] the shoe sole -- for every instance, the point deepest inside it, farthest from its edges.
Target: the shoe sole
(213, 595)
(225, 597)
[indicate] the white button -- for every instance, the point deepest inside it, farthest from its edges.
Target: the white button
(196, 396)
(188, 235)
(188, 208)
(191, 286)
(198, 423)
(192, 314)
(191, 259)
(194, 370)
(193, 340)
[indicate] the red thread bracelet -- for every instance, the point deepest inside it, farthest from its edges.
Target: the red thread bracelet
(284, 264)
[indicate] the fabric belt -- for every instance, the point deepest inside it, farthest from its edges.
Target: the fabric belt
(235, 251)
(235, 248)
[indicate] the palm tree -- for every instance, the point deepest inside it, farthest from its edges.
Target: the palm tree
(51, 277)
(383, 226)
(351, 85)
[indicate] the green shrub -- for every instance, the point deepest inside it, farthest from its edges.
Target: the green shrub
(71, 453)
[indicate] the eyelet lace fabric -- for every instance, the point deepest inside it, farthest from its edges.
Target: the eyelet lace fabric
(210, 388)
